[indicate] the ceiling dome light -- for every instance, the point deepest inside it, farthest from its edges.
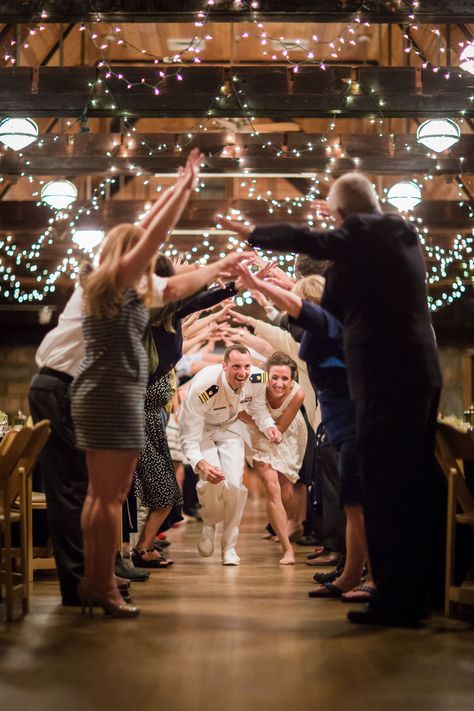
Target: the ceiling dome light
(59, 194)
(438, 134)
(17, 133)
(404, 195)
(87, 239)
(467, 58)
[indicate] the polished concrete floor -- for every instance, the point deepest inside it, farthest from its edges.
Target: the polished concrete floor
(229, 639)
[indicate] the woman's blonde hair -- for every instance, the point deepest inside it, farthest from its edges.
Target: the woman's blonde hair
(101, 292)
(310, 288)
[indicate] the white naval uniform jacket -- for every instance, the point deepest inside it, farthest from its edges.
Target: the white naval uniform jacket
(211, 404)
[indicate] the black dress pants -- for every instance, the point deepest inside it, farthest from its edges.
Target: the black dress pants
(64, 472)
(333, 517)
(395, 437)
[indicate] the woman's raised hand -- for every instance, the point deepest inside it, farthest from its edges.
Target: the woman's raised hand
(228, 266)
(189, 176)
(246, 275)
(243, 230)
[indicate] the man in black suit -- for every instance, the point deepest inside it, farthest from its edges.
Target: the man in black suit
(376, 286)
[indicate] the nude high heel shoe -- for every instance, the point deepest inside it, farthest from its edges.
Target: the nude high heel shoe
(90, 598)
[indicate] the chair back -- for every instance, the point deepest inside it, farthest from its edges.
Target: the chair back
(453, 446)
(12, 449)
(39, 435)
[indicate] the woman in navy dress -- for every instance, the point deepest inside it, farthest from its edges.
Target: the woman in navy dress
(322, 350)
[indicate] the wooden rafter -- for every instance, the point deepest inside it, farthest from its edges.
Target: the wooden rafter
(26, 217)
(430, 11)
(271, 92)
(272, 153)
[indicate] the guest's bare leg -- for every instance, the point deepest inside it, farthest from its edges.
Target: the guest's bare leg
(287, 491)
(110, 476)
(297, 509)
(150, 529)
(359, 529)
(355, 557)
(86, 532)
(275, 509)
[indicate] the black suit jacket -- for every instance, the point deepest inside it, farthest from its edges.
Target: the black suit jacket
(377, 288)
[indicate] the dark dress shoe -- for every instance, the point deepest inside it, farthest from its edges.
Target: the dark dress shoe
(122, 570)
(308, 541)
(393, 618)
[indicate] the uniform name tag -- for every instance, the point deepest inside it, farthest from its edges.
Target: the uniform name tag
(220, 408)
(247, 399)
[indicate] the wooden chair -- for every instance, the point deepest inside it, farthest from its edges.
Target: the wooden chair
(36, 500)
(40, 557)
(13, 486)
(452, 447)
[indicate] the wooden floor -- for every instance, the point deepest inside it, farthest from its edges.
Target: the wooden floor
(225, 639)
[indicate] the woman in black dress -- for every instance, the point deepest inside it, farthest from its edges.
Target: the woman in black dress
(155, 479)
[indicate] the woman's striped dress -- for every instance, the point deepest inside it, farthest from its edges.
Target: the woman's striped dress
(108, 393)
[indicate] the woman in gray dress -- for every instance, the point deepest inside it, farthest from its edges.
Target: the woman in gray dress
(109, 391)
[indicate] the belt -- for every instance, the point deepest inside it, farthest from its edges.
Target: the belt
(59, 374)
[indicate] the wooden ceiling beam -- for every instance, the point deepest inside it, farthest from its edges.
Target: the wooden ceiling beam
(113, 154)
(26, 217)
(375, 11)
(269, 92)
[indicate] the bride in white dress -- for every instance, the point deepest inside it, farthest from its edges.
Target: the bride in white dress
(278, 465)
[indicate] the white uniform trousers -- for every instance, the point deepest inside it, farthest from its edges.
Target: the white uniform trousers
(224, 501)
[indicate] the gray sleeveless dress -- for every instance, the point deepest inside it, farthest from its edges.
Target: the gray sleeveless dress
(108, 393)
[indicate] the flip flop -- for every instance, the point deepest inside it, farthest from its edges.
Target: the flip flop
(363, 594)
(327, 590)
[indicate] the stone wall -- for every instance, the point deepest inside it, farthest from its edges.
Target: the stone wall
(457, 367)
(17, 367)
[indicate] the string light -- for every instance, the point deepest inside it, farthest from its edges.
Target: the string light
(289, 204)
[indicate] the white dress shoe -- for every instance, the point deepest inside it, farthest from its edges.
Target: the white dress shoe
(230, 557)
(205, 544)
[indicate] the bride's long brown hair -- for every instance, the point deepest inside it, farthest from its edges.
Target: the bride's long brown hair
(102, 295)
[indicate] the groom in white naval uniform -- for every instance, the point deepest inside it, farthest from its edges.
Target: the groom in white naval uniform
(211, 440)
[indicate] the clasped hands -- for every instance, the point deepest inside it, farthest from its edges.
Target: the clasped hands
(212, 474)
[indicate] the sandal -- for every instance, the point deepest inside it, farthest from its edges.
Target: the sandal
(325, 560)
(327, 590)
(318, 552)
(363, 593)
(140, 562)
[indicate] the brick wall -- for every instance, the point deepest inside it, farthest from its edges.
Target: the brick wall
(17, 367)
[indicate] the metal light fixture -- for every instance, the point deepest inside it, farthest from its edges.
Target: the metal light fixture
(59, 194)
(404, 195)
(17, 133)
(438, 134)
(87, 239)
(467, 58)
